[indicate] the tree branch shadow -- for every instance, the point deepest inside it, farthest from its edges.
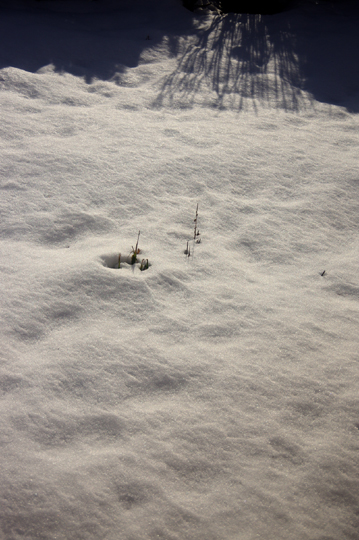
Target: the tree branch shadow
(241, 59)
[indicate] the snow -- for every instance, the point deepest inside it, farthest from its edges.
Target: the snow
(208, 397)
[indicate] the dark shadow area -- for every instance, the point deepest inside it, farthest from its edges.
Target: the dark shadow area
(232, 61)
(262, 7)
(98, 43)
(327, 46)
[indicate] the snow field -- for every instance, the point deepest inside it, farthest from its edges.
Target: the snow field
(213, 396)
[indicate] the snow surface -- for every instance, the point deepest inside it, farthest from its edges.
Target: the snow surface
(209, 397)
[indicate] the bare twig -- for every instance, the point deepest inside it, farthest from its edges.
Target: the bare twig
(196, 233)
(135, 251)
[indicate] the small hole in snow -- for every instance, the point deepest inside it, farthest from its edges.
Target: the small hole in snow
(114, 261)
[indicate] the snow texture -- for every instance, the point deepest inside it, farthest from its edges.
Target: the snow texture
(212, 396)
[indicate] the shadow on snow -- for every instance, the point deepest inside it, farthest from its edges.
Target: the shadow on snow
(241, 58)
(250, 59)
(232, 57)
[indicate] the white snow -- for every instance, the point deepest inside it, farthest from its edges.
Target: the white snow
(209, 397)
